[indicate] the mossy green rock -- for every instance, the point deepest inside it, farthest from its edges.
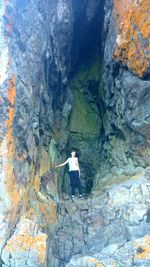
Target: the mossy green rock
(85, 122)
(84, 117)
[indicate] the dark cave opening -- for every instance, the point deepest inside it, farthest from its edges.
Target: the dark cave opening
(87, 35)
(86, 51)
(87, 45)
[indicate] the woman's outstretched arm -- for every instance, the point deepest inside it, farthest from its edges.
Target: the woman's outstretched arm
(62, 164)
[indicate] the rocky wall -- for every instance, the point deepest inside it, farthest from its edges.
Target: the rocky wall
(69, 79)
(107, 229)
(25, 211)
(125, 86)
(35, 64)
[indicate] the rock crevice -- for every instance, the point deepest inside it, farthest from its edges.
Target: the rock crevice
(74, 75)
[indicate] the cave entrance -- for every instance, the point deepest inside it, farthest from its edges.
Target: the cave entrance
(85, 123)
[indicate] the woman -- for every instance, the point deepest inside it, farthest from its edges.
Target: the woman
(74, 173)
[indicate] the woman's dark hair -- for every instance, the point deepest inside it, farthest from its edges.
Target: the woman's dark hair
(76, 150)
(73, 151)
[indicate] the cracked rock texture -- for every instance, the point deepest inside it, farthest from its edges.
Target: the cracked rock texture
(111, 229)
(125, 86)
(24, 153)
(74, 74)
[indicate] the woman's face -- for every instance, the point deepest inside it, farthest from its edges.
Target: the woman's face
(73, 154)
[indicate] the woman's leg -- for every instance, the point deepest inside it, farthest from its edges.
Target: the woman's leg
(72, 190)
(80, 188)
(78, 183)
(72, 184)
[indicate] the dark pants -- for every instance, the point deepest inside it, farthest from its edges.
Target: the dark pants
(75, 182)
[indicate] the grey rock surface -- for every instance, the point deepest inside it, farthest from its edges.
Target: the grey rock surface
(110, 228)
(126, 116)
(61, 87)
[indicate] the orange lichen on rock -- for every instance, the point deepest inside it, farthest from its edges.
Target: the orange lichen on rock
(44, 162)
(49, 211)
(15, 194)
(12, 89)
(133, 28)
(7, 147)
(143, 248)
(22, 243)
(96, 262)
(35, 179)
(11, 95)
(53, 211)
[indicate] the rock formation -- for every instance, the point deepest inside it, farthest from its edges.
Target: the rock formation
(74, 74)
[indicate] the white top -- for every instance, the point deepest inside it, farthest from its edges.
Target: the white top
(73, 164)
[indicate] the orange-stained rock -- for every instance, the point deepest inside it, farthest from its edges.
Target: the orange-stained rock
(23, 156)
(133, 34)
(25, 241)
(48, 210)
(143, 248)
